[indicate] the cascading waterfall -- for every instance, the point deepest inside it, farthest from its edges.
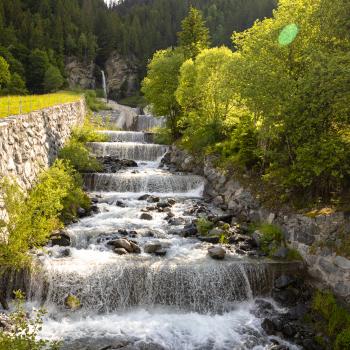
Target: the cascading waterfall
(144, 183)
(128, 150)
(148, 122)
(183, 300)
(118, 284)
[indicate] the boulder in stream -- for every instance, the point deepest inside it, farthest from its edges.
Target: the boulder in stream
(120, 251)
(127, 245)
(152, 247)
(60, 238)
(217, 253)
(146, 216)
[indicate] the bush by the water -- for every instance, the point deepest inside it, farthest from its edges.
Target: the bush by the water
(93, 102)
(76, 152)
(23, 331)
(33, 216)
(335, 319)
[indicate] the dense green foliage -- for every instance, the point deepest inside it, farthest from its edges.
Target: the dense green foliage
(276, 107)
(4, 72)
(53, 79)
(93, 102)
(37, 35)
(160, 86)
(75, 151)
(335, 319)
(33, 216)
(23, 335)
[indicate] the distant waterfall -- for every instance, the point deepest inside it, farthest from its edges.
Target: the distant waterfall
(104, 85)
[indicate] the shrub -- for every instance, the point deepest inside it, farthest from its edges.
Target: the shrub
(87, 133)
(342, 341)
(324, 303)
(93, 103)
(24, 331)
(204, 226)
(336, 319)
(162, 136)
(35, 215)
(79, 157)
(271, 239)
(339, 319)
(76, 152)
(293, 255)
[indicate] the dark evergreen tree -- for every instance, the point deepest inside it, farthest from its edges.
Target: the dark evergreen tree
(194, 36)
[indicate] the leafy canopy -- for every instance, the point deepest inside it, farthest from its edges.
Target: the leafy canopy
(160, 85)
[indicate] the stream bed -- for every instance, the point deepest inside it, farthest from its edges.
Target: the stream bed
(139, 282)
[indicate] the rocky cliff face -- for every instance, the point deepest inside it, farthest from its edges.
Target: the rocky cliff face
(79, 74)
(122, 75)
(317, 238)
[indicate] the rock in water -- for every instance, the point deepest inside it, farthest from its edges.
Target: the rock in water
(72, 302)
(61, 239)
(120, 251)
(284, 281)
(217, 253)
(145, 216)
(122, 243)
(135, 248)
(144, 197)
(152, 247)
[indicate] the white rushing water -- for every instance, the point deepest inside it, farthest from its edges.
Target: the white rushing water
(128, 150)
(173, 330)
(104, 85)
(181, 301)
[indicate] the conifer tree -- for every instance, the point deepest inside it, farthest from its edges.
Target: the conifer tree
(194, 36)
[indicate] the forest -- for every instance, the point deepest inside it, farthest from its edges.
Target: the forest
(275, 107)
(38, 35)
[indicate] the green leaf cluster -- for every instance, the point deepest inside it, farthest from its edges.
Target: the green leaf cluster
(24, 331)
(336, 319)
(75, 151)
(33, 216)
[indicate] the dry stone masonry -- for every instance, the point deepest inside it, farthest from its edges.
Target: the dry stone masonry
(30, 142)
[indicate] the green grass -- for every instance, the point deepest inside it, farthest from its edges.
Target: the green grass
(134, 101)
(334, 321)
(14, 105)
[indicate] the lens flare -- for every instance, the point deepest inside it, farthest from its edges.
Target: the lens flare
(288, 34)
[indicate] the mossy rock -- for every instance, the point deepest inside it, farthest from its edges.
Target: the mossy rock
(72, 302)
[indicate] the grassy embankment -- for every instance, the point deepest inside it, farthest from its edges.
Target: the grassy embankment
(14, 105)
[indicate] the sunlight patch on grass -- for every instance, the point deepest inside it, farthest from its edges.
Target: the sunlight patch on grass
(15, 105)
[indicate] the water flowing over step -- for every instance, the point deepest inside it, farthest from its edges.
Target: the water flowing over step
(148, 122)
(145, 183)
(128, 150)
(119, 283)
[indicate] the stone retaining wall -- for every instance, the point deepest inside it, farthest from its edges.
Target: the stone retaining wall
(30, 142)
(316, 238)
